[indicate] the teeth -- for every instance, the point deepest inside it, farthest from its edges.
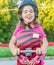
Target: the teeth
(29, 17)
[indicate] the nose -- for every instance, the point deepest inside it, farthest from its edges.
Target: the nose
(28, 12)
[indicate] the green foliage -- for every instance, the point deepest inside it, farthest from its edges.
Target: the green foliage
(46, 17)
(8, 20)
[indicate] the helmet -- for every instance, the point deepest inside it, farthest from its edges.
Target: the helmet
(29, 2)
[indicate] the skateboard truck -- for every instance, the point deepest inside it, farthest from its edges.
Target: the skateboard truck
(28, 51)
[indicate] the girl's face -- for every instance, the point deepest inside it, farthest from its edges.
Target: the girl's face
(28, 14)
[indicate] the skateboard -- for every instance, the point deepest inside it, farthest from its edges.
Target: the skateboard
(28, 41)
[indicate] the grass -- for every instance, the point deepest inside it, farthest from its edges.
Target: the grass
(50, 51)
(6, 53)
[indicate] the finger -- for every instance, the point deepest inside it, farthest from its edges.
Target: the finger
(33, 64)
(38, 51)
(27, 62)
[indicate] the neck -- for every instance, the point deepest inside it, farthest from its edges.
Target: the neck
(30, 26)
(27, 28)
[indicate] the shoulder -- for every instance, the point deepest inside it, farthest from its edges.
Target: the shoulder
(40, 30)
(17, 29)
(38, 27)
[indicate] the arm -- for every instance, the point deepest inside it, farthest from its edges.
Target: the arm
(44, 46)
(12, 46)
(12, 43)
(44, 40)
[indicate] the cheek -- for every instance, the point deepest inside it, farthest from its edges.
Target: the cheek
(23, 15)
(33, 16)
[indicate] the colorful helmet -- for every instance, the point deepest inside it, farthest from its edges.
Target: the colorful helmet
(29, 2)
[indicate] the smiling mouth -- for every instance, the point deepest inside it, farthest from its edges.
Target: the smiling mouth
(28, 18)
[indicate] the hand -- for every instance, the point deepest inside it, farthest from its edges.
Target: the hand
(38, 51)
(23, 59)
(36, 59)
(17, 50)
(26, 61)
(32, 63)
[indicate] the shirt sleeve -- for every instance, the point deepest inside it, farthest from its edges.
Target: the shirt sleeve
(42, 32)
(17, 29)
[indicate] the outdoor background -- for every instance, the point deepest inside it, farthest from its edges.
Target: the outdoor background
(9, 19)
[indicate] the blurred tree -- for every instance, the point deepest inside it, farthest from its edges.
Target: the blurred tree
(46, 17)
(8, 19)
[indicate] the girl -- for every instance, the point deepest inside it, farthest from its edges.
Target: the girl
(28, 14)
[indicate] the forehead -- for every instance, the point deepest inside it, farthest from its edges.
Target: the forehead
(27, 7)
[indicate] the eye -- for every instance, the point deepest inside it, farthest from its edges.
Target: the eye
(25, 12)
(31, 11)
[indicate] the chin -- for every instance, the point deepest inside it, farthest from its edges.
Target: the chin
(29, 22)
